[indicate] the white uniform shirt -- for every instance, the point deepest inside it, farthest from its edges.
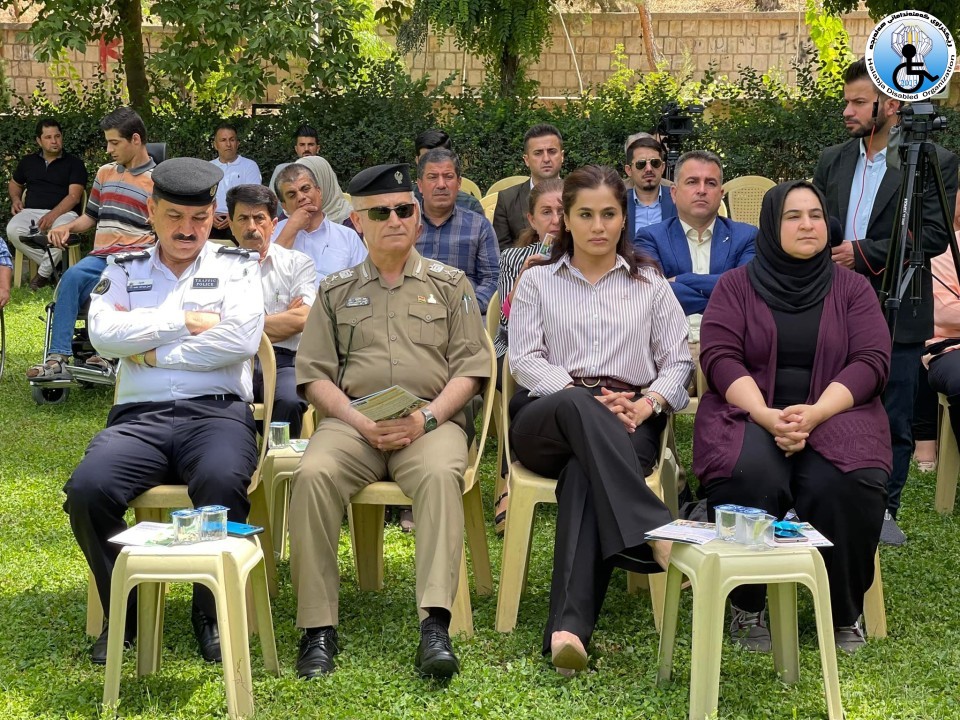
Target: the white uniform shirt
(700, 258)
(154, 301)
(242, 171)
(332, 247)
(286, 275)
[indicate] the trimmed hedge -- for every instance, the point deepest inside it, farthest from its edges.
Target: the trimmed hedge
(758, 125)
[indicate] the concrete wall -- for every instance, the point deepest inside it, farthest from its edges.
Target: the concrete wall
(686, 41)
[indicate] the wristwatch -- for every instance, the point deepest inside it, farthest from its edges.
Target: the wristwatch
(429, 421)
(654, 404)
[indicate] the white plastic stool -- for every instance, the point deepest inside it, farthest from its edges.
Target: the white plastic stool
(224, 566)
(717, 568)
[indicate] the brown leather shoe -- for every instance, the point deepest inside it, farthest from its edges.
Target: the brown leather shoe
(39, 281)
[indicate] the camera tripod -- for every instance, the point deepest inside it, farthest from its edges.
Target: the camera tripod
(905, 262)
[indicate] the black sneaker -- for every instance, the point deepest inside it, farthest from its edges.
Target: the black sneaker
(890, 533)
(849, 638)
(749, 630)
(317, 650)
(435, 656)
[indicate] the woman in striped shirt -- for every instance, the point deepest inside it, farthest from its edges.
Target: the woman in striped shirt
(545, 215)
(599, 341)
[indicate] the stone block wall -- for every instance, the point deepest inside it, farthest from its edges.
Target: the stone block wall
(686, 41)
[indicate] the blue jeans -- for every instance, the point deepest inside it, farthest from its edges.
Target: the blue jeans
(72, 292)
(898, 401)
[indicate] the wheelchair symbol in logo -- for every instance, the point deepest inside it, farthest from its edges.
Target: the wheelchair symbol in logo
(910, 56)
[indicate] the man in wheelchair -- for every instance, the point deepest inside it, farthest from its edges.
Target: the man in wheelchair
(118, 208)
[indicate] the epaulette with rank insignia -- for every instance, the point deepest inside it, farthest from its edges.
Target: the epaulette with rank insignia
(450, 274)
(225, 250)
(121, 258)
(335, 279)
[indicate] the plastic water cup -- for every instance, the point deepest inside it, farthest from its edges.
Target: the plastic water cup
(279, 435)
(759, 529)
(186, 526)
(744, 531)
(726, 521)
(214, 522)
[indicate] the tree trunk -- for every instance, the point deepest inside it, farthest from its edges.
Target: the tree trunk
(134, 63)
(509, 69)
(646, 29)
(766, 5)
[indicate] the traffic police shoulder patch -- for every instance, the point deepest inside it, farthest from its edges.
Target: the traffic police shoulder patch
(242, 252)
(101, 287)
(121, 258)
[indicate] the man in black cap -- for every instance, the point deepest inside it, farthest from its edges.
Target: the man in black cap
(395, 319)
(184, 317)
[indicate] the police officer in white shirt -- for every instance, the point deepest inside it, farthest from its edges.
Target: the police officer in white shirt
(289, 288)
(184, 317)
(332, 247)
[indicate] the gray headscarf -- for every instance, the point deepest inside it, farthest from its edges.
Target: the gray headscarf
(335, 205)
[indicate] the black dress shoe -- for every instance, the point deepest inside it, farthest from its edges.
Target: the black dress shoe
(435, 654)
(98, 654)
(208, 636)
(317, 651)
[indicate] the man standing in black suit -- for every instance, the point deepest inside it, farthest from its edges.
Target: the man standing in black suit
(543, 154)
(862, 192)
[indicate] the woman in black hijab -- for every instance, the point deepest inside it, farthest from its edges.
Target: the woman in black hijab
(796, 352)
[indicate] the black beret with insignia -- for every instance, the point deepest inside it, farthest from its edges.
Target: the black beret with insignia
(381, 180)
(187, 181)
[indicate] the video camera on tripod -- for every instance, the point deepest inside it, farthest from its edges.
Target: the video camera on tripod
(919, 164)
(675, 124)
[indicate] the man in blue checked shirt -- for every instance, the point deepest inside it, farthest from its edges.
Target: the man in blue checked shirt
(451, 234)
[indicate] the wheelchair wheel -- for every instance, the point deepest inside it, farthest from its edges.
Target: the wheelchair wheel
(3, 343)
(48, 396)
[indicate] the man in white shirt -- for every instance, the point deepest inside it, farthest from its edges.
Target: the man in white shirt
(184, 317)
(332, 247)
(236, 169)
(694, 248)
(289, 282)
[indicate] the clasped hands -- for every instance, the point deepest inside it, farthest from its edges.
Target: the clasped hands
(395, 434)
(628, 411)
(791, 426)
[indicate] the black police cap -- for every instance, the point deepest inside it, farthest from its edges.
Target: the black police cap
(380, 180)
(186, 181)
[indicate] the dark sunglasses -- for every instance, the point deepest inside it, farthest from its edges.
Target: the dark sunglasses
(381, 213)
(656, 163)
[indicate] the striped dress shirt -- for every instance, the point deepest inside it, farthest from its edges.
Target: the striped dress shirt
(562, 326)
(511, 262)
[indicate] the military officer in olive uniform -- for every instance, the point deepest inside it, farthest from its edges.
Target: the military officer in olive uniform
(184, 317)
(395, 319)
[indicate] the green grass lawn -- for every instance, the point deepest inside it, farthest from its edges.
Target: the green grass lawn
(45, 671)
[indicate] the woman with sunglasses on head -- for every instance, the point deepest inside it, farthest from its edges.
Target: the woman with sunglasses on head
(796, 352)
(545, 217)
(600, 344)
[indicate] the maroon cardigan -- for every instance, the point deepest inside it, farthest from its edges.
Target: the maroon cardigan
(738, 336)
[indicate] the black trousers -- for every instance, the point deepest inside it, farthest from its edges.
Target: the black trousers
(925, 409)
(604, 506)
(945, 378)
(208, 445)
(846, 507)
(287, 405)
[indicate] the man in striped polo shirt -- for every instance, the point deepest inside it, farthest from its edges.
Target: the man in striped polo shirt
(118, 208)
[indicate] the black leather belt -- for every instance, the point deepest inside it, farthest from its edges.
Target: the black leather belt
(220, 398)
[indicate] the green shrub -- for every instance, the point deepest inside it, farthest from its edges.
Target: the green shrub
(758, 124)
